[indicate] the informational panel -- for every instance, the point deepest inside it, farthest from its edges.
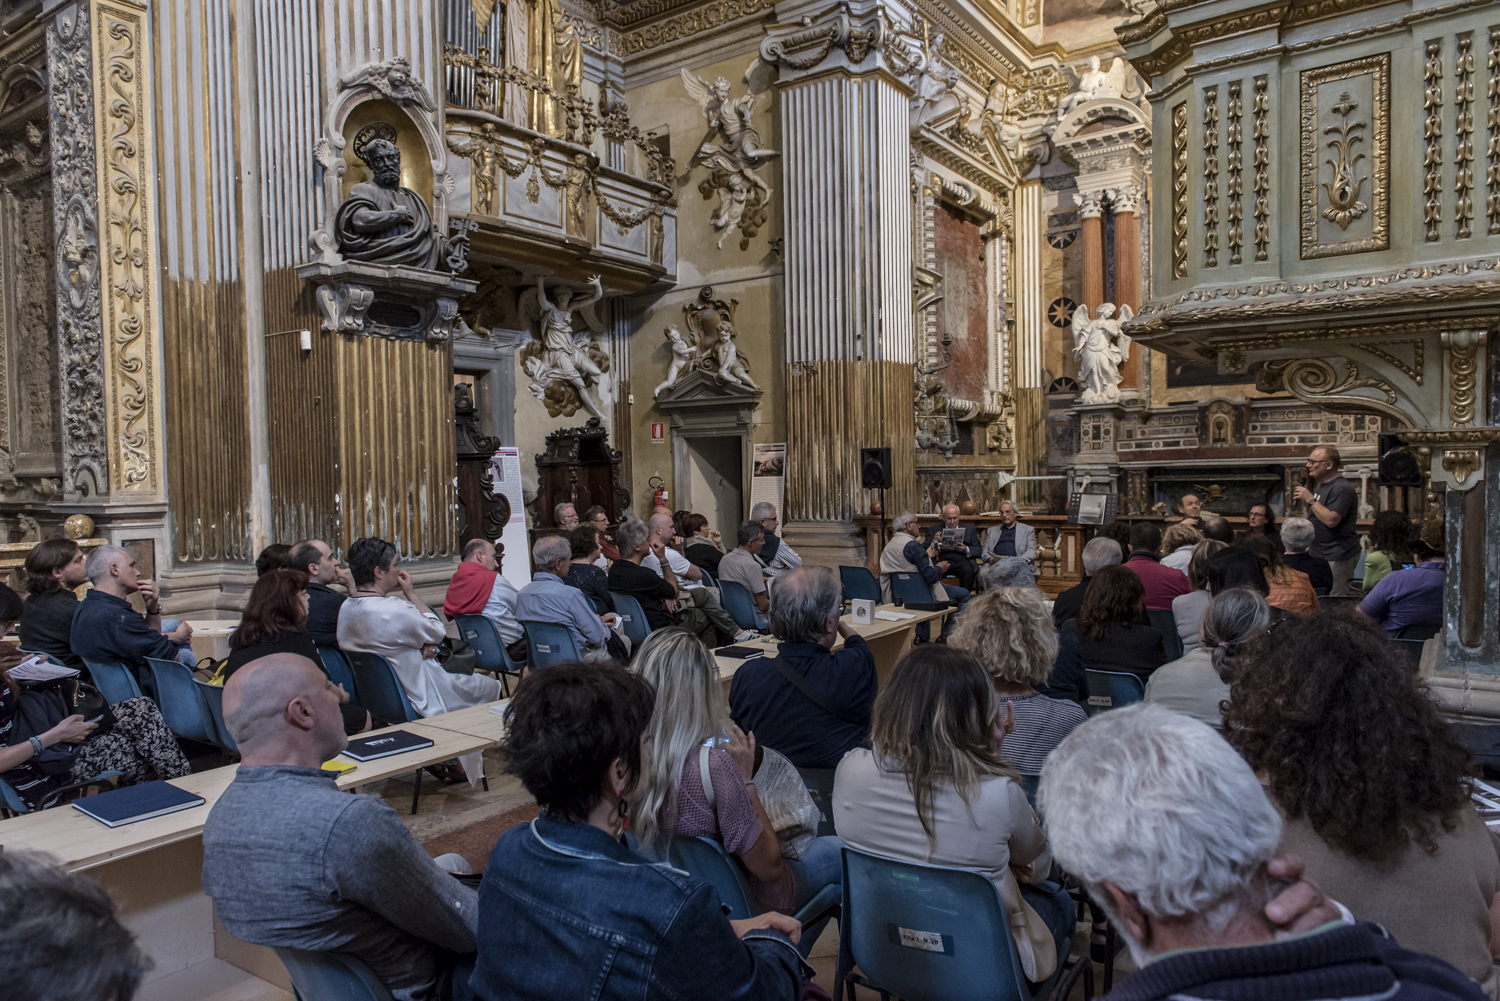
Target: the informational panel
(768, 476)
(505, 472)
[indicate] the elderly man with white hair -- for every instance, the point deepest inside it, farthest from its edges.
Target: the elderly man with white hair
(107, 630)
(1297, 535)
(958, 546)
(1170, 832)
(775, 554)
(1010, 537)
(550, 598)
(904, 554)
(1098, 553)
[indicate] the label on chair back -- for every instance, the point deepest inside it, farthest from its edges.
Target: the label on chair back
(543, 648)
(1101, 700)
(927, 941)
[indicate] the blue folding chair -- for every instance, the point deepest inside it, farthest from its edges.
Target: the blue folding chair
(1164, 622)
(924, 933)
(1111, 690)
(707, 580)
(331, 976)
(819, 782)
(489, 649)
(632, 618)
(738, 602)
(548, 643)
(381, 693)
(41, 653)
(115, 682)
(910, 587)
(336, 666)
(859, 582)
(213, 697)
(11, 803)
(184, 710)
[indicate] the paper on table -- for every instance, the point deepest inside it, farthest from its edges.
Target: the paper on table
(499, 707)
(894, 616)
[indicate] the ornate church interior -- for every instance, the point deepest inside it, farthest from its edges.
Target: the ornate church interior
(468, 273)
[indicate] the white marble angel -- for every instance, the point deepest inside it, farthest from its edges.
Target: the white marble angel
(1100, 348)
(741, 152)
(682, 353)
(731, 369)
(1094, 83)
(565, 357)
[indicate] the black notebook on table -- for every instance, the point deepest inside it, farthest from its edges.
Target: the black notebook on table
(139, 802)
(384, 745)
(741, 652)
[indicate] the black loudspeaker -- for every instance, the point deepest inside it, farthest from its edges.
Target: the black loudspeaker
(875, 468)
(1398, 467)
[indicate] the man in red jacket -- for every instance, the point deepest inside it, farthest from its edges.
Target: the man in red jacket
(1162, 583)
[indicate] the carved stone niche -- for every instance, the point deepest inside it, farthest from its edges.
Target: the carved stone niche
(701, 406)
(359, 298)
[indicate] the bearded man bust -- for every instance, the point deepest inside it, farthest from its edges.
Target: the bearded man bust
(381, 222)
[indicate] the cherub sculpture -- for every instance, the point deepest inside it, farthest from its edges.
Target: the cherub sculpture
(1100, 348)
(735, 159)
(731, 368)
(682, 353)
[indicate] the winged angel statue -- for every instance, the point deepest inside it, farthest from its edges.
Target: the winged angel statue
(1117, 81)
(743, 197)
(1100, 348)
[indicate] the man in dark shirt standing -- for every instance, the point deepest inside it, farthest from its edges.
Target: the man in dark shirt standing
(1332, 508)
(827, 713)
(108, 631)
(53, 569)
(315, 558)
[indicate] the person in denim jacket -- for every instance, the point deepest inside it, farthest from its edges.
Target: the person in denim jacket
(565, 909)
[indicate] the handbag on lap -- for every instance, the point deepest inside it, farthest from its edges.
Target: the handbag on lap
(788, 805)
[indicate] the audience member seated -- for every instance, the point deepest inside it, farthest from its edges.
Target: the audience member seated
(106, 629)
(690, 737)
(1097, 552)
(275, 621)
(1010, 537)
(1291, 591)
(291, 861)
(1218, 529)
(1260, 521)
(1112, 629)
(1411, 597)
(404, 631)
(1235, 566)
(1008, 571)
(276, 556)
(776, 554)
(1296, 535)
(935, 789)
(549, 598)
(1162, 583)
(904, 554)
(1371, 782)
(692, 590)
(54, 567)
(1188, 609)
(62, 939)
(1010, 633)
(566, 910)
(566, 517)
(584, 571)
(702, 545)
(1388, 547)
(315, 559)
(656, 590)
(1168, 829)
(826, 713)
(479, 588)
(1190, 507)
(1197, 683)
(1178, 542)
(44, 745)
(742, 565)
(599, 518)
(960, 557)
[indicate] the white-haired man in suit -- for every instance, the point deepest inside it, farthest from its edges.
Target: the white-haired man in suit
(1010, 537)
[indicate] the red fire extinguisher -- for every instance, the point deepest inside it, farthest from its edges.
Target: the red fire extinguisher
(659, 493)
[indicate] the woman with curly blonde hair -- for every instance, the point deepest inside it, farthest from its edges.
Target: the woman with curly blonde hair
(1009, 631)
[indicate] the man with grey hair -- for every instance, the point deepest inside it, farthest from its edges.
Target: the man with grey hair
(958, 546)
(904, 554)
(1098, 553)
(566, 516)
(742, 565)
(693, 592)
(107, 630)
(656, 591)
(775, 554)
(1171, 833)
(1010, 537)
(809, 702)
(292, 862)
(1008, 571)
(550, 598)
(1297, 535)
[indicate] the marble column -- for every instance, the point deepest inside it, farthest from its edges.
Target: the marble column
(1127, 285)
(846, 181)
(1091, 211)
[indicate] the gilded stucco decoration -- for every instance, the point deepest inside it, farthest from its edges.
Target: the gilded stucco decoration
(76, 214)
(1492, 174)
(1463, 138)
(1345, 110)
(1315, 381)
(1179, 191)
(1261, 136)
(1432, 138)
(1211, 177)
(1462, 347)
(1234, 159)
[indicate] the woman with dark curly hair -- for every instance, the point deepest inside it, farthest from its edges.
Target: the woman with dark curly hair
(1389, 546)
(1113, 631)
(1370, 779)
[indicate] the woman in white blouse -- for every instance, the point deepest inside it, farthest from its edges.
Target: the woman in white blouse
(934, 789)
(404, 631)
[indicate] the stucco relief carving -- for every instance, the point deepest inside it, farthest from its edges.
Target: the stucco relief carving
(1345, 110)
(563, 363)
(743, 196)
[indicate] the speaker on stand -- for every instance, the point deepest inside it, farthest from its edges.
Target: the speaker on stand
(875, 474)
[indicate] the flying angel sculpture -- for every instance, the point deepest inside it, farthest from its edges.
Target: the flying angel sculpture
(734, 160)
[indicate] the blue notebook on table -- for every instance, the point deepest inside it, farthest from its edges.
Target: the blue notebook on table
(140, 802)
(384, 745)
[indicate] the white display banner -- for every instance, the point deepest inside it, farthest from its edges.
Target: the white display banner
(505, 473)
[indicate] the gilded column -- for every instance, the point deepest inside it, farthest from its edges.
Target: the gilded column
(1091, 211)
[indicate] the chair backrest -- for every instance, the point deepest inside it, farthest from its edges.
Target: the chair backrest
(859, 582)
(1412, 649)
(910, 587)
(213, 698)
(1111, 690)
(10, 799)
(1029, 785)
(1483, 740)
(819, 782)
(706, 859)
(489, 649)
(1417, 632)
(1164, 622)
(548, 643)
(923, 932)
(380, 690)
(738, 603)
(42, 653)
(115, 682)
(331, 976)
(632, 618)
(182, 707)
(339, 672)
(1327, 601)
(707, 580)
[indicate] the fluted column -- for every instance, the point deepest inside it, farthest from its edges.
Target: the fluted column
(1122, 203)
(1091, 211)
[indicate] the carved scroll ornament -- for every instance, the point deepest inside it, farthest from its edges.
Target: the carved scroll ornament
(1314, 381)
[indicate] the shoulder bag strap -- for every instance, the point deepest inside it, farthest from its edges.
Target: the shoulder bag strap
(800, 683)
(708, 782)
